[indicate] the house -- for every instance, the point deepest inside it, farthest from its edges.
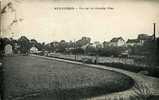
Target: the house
(117, 42)
(145, 37)
(106, 44)
(8, 50)
(34, 50)
(133, 42)
(85, 46)
(97, 44)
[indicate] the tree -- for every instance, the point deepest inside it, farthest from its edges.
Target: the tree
(62, 46)
(83, 41)
(24, 44)
(6, 41)
(38, 45)
(90, 50)
(2, 44)
(33, 42)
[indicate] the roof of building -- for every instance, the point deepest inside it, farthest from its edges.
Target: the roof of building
(8, 44)
(116, 39)
(144, 37)
(132, 41)
(33, 47)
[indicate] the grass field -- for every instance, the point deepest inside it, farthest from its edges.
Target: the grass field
(121, 63)
(26, 75)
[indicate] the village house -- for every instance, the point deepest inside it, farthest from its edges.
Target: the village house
(133, 42)
(84, 47)
(145, 37)
(97, 44)
(106, 44)
(34, 50)
(8, 50)
(117, 42)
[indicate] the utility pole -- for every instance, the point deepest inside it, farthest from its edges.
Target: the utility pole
(154, 31)
(75, 49)
(155, 48)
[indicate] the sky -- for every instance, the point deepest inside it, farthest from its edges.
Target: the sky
(40, 20)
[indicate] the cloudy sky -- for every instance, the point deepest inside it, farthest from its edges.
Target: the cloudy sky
(40, 20)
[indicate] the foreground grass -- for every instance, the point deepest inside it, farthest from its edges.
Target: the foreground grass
(26, 75)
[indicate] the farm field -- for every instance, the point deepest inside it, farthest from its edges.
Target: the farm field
(26, 75)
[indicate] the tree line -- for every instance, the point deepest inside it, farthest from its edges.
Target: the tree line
(82, 46)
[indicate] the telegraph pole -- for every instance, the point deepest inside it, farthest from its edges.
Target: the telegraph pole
(155, 49)
(154, 31)
(75, 49)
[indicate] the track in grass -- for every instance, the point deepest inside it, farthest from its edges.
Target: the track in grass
(25, 75)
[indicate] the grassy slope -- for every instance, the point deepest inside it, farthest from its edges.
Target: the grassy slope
(25, 75)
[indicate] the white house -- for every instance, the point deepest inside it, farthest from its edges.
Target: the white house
(34, 50)
(85, 46)
(8, 49)
(117, 42)
(133, 42)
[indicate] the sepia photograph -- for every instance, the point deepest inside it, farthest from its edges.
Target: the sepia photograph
(79, 49)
